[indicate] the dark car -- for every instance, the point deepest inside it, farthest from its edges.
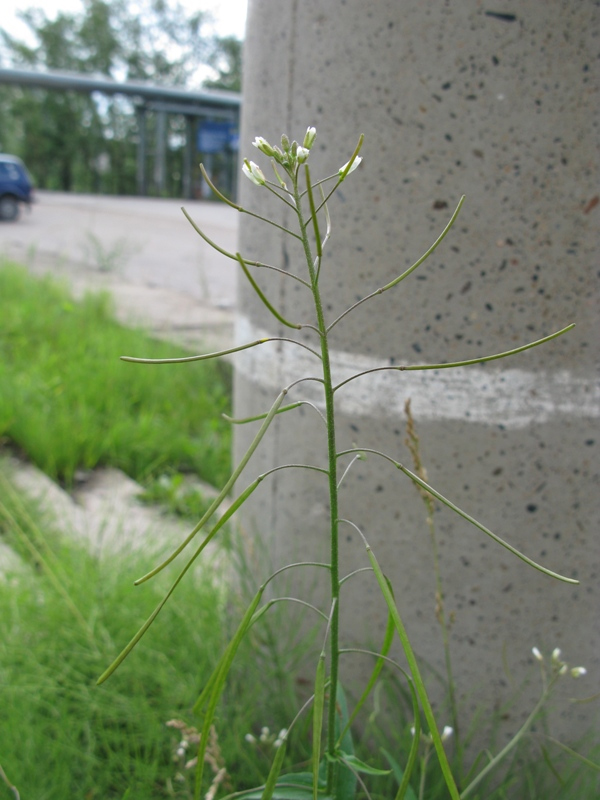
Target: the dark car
(16, 186)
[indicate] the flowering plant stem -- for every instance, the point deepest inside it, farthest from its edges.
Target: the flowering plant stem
(339, 766)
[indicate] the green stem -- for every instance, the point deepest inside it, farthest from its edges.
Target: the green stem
(513, 742)
(333, 490)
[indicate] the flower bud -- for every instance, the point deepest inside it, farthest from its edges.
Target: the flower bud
(253, 172)
(264, 146)
(309, 138)
(556, 655)
(285, 142)
(577, 672)
(302, 154)
(537, 654)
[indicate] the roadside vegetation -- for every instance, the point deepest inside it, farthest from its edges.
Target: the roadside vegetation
(63, 615)
(67, 403)
(70, 404)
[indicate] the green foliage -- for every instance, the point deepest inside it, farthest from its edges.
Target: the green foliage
(173, 492)
(226, 60)
(69, 403)
(61, 611)
(73, 142)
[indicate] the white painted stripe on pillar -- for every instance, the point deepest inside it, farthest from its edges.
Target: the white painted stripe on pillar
(511, 397)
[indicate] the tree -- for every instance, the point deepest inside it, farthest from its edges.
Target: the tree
(226, 60)
(72, 141)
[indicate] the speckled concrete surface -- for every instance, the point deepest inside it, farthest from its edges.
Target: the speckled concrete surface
(503, 108)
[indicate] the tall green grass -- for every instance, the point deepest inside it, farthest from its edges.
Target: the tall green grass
(69, 403)
(63, 617)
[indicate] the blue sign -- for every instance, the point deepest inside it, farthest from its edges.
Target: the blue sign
(214, 137)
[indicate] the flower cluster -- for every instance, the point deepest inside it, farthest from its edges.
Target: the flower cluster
(427, 738)
(290, 155)
(559, 666)
(268, 738)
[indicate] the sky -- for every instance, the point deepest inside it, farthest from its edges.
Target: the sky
(229, 15)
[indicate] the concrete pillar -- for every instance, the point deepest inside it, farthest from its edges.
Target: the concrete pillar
(452, 99)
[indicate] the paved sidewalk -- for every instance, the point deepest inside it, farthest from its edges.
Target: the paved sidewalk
(144, 251)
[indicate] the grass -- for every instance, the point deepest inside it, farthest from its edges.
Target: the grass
(63, 616)
(69, 403)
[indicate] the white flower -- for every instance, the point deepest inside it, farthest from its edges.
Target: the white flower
(412, 730)
(309, 138)
(577, 672)
(264, 146)
(264, 734)
(250, 739)
(447, 732)
(301, 154)
(537, 654)
(556, 654)
(253, 172)
(281, 737)
(355, 164)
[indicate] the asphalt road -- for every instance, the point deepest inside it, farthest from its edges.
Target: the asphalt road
(144, 251)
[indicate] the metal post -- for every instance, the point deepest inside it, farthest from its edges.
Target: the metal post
(160, 172)
(141, 151)
(188, 157)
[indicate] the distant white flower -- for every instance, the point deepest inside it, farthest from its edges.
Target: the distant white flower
(250, 739)
(537, 654)
(281, 737)
(447, 732)
(355, 164)
(253, 172)
(556, 654)
(412, 730)
(264, 734)
(577, 672)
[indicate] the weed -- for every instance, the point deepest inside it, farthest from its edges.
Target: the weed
(335, 771)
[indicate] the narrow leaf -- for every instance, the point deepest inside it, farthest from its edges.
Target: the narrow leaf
(414, 668)
(274, 772)
(360, 766)
(219, 684)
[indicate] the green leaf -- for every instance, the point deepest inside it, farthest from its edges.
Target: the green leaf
(416, 674)
(360, 766)
(218, 684)
(271, 783)
(400, 776)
